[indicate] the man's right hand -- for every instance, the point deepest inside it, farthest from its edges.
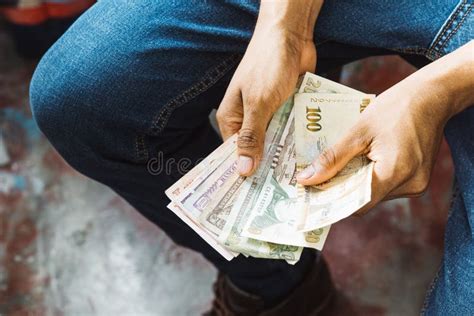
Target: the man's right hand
(402, 130)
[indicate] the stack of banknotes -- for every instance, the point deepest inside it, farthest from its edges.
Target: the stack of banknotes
(270, 215)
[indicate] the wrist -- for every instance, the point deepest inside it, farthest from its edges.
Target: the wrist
(450, 79)
(429, 98)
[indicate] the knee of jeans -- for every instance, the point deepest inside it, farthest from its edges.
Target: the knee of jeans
(56, 98)
(48, 101)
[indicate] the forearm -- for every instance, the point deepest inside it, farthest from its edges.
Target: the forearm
(451, 78)
(297, 17)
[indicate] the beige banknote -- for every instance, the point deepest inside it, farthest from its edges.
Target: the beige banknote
(320, 121)
(316, 84)
(211, 240)
(319, 85)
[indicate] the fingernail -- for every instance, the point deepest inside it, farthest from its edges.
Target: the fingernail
(245, 164)
(306, 173)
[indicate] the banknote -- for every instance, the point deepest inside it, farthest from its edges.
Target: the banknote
(211, 198)
(312, 83)
(199, 196)
(211, 240)
(231, 235)
(274, 208)
(214, 216)
(320, 121)
(319, 85)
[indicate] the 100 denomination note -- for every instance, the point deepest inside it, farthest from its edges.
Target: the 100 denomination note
(320, 120)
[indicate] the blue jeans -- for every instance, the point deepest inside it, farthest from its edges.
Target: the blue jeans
(134, 80)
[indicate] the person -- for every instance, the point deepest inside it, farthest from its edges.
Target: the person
(131, 79)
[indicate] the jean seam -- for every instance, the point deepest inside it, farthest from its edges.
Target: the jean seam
(160, 120)
(456, 192)
(140, 148)
(210, 78)
(317, 44)
(446, 27)
(461, 21)
(447, 31)
(411, 50)
(430, 290)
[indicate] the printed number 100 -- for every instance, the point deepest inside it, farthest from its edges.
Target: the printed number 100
(313, 116)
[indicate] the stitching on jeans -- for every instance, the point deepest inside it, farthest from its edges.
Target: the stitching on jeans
(321, 42)
(159, 120)
(431, 288)
(469, 9)
(209, 79)
(447, 26)
(140, 149)
(435, 51)
(137, 151)
(410, 50)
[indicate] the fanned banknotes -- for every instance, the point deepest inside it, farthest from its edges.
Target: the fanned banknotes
(269, 215)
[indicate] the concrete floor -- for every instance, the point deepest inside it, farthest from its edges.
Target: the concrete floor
(69, 246)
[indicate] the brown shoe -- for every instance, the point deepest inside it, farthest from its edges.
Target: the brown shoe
(311, 298)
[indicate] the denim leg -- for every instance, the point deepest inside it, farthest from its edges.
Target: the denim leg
(452, 293)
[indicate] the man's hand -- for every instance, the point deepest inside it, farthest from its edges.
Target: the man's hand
(280, 50)
(402, 130)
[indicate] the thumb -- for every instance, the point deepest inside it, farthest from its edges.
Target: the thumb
(251, 138)
(333, 159)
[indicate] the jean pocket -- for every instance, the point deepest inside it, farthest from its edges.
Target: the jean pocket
(187, 110)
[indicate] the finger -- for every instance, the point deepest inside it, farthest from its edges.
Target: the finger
(334, 158)
(230, 112)
(251, 138)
